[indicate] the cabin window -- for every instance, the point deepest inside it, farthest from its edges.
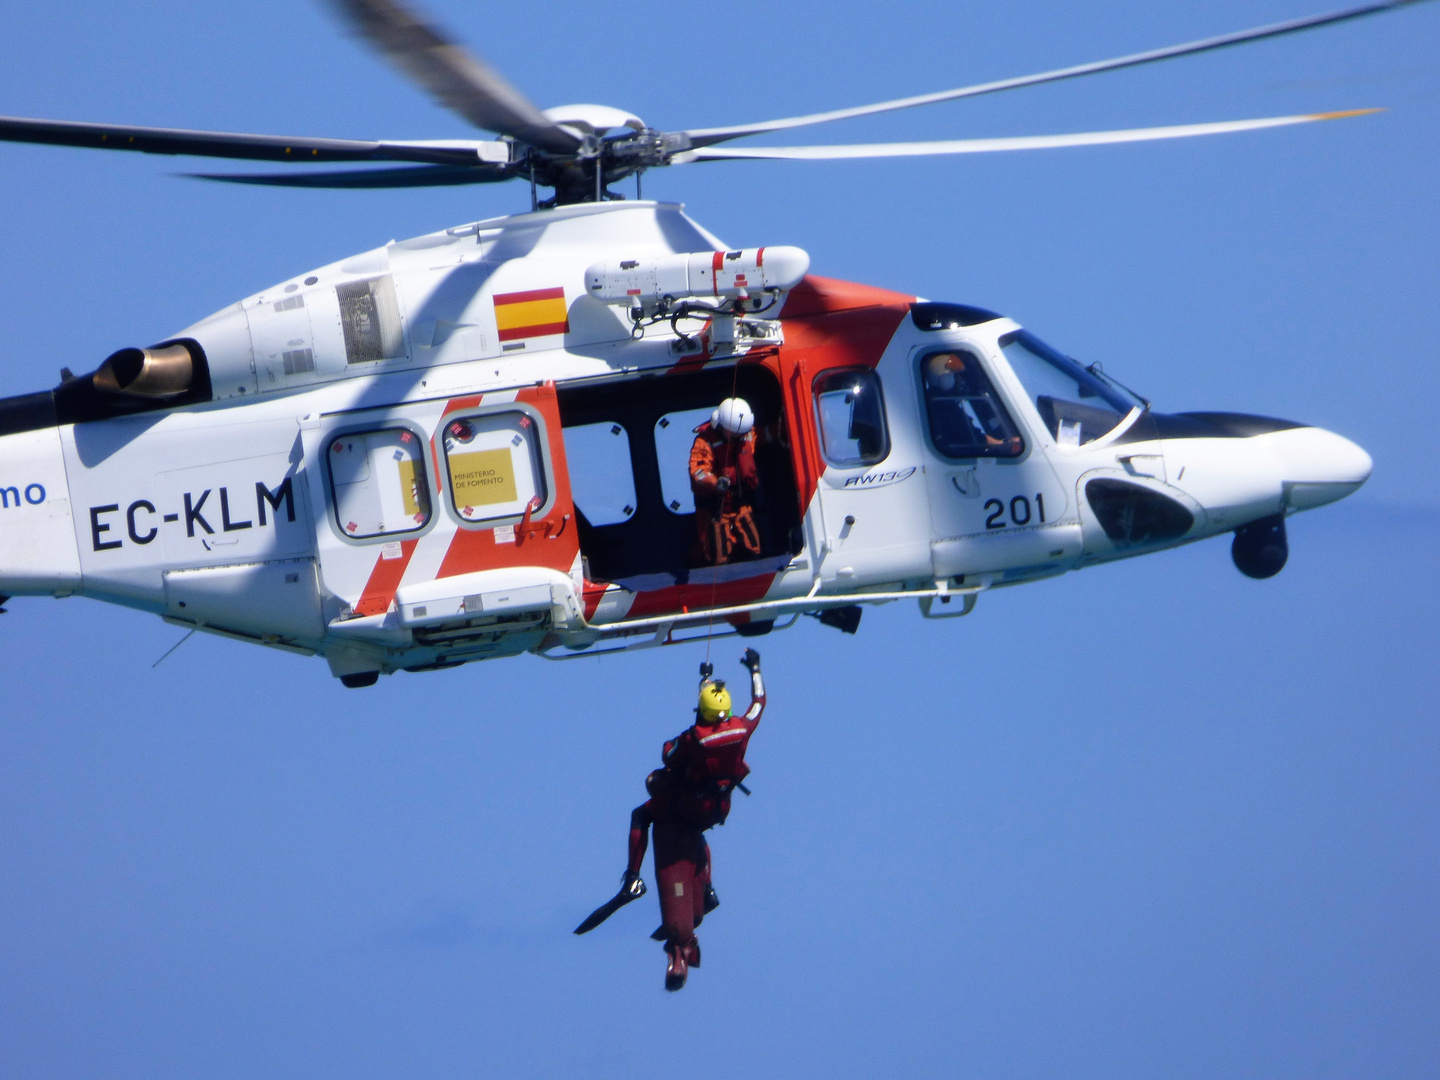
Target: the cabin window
(674, 435)
(495, 465)
(965, 415)
(602, 480)
(851, 414)
(378, 483)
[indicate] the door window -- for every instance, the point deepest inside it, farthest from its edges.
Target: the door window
(966, 416)
(495, 465)
(674, 435)
(602, 482)
(377, 482)
(851, 412)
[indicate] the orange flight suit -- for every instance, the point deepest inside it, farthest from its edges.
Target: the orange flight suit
(725, 482)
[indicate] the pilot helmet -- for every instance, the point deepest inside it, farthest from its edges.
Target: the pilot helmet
(714, 702)
(734, 417)
(942, 369)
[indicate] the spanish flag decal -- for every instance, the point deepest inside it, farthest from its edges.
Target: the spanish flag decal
(530, 314)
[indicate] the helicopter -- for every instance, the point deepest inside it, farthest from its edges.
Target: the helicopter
(472, 444)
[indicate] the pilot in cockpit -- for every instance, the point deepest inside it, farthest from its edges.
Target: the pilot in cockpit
(965, 420)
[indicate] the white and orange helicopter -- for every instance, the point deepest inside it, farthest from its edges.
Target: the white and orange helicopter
(475, 443)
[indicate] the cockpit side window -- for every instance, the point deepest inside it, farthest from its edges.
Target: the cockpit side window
(1076, 404)
(966, 416)
(851, 411)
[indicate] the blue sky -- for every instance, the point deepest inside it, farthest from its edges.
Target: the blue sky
(1149, 819)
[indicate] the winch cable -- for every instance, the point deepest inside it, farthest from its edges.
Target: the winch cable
(715, 578)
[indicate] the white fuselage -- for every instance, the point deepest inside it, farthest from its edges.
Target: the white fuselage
(324, 499)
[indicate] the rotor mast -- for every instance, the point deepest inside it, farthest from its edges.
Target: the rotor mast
(602, 161)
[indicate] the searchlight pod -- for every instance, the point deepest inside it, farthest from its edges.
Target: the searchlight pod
(655, 285)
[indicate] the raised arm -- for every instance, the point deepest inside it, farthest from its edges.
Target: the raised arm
(751, 660)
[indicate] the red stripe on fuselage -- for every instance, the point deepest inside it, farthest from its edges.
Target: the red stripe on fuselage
(591, 596)
(699, 597)
(476, 549)
(384, 580)
(829, 324)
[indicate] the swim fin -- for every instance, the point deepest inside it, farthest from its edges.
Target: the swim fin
(632, 889)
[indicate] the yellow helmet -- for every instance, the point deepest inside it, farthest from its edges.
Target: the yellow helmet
(714, 702)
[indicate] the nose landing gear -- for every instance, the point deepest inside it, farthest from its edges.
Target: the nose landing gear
(1260, 548)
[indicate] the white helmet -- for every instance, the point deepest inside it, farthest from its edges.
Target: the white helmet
(734, 416)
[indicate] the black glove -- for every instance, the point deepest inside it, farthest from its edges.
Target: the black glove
(751, 660)
(722, 485)
(706, 669)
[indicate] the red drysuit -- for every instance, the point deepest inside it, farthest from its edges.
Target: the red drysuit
(689, 795)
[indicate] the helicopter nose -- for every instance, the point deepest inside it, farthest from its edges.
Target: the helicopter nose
(1317, 466)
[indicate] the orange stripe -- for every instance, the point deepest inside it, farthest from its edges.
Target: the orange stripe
(469, 401)
(476, 549)
(384, 580)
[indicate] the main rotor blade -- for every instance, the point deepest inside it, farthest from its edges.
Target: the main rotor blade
(404, 177)
(711, 136)
(985, 146)
(458, 79)
(149, 140)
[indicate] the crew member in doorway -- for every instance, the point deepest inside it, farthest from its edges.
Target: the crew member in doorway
(689, 794)
(725, 483)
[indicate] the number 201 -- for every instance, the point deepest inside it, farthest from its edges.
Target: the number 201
(1020, 511)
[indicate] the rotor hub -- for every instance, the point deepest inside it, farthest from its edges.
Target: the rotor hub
(595, 120)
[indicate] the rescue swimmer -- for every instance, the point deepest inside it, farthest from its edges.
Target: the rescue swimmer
(689, 794)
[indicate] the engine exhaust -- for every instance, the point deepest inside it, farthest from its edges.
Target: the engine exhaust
(160, 372)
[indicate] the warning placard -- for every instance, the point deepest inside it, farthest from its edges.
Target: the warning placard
(483, 477)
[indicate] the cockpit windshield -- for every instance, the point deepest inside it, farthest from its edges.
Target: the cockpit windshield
(1078, 404)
